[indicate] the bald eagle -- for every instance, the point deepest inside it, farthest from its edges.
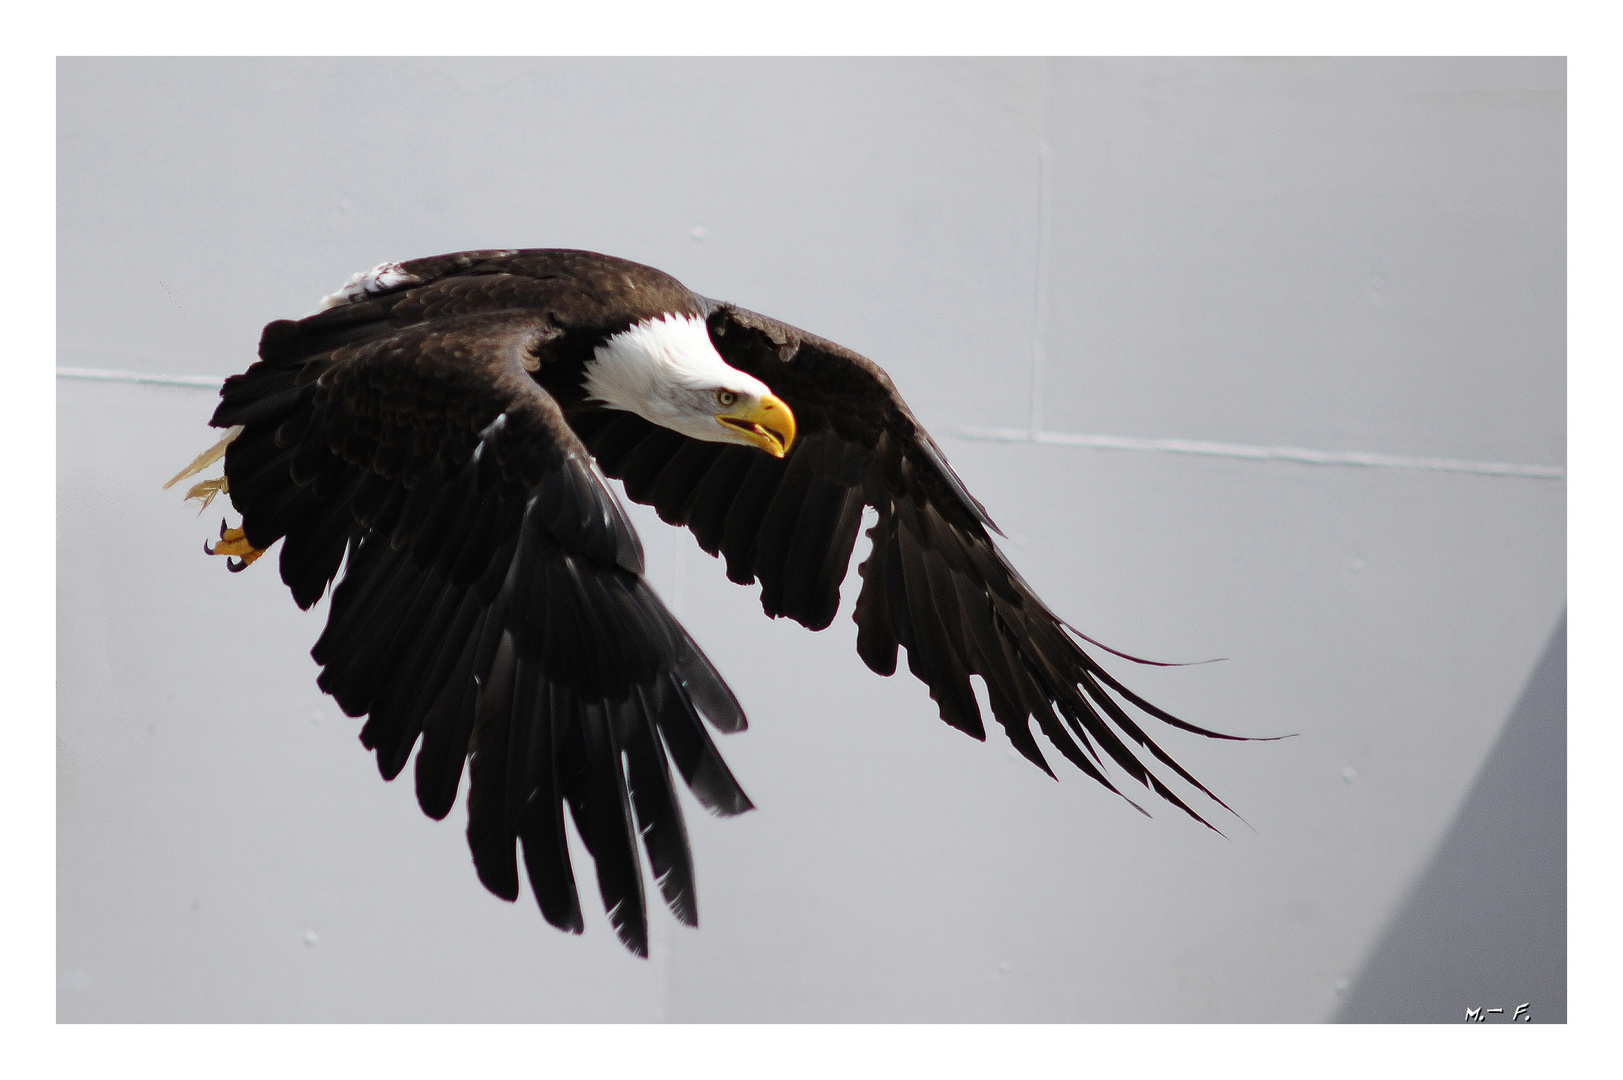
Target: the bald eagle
(441, 429)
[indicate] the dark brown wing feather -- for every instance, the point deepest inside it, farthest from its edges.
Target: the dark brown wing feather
(935, 584)
(492, 603)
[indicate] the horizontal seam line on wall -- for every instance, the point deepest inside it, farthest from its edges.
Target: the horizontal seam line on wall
(205, 382)
(1297, 454)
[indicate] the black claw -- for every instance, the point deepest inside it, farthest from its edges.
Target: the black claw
(236, 566)
(222, 529)
(206, 549)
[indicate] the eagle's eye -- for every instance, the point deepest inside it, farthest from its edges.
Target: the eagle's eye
(725, 397)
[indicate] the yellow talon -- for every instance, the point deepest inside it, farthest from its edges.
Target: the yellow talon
(234, 542)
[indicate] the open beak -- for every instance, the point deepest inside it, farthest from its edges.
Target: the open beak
(768, 424)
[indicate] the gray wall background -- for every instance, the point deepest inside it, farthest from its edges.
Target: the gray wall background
(1347, 255)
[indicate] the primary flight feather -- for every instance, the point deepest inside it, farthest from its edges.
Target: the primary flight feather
(440, 429)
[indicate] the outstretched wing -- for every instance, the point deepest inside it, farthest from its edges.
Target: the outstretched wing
(492, 601)
(935, 583)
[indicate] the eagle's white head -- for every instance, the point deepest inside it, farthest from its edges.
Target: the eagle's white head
(667, 371)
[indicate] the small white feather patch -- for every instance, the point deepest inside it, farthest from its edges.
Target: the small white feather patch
(381, 278)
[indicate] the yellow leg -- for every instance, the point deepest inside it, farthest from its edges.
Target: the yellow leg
(234, 542)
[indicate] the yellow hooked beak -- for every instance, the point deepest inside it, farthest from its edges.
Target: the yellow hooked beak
(767, 423)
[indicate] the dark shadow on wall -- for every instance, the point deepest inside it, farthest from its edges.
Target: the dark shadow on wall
(1486, 927)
